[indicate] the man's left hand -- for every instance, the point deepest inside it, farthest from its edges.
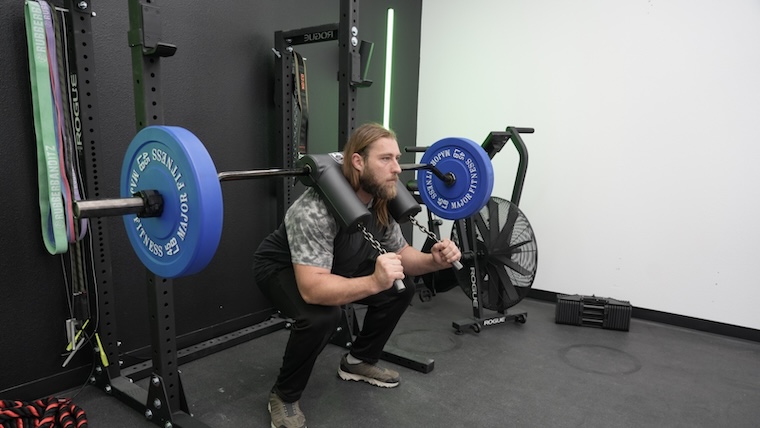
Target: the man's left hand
(445, 253)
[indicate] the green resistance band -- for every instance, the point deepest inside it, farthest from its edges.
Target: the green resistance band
(48, 167)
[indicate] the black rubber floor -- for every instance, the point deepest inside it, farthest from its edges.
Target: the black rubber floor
(537, 374)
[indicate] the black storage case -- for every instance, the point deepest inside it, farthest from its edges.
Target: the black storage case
(592, 311)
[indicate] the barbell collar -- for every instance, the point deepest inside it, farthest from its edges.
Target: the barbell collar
(153, 203)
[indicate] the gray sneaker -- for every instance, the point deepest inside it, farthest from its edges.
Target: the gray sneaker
(285, 415)
(369, 373)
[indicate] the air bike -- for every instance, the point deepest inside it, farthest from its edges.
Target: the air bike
(499, 251)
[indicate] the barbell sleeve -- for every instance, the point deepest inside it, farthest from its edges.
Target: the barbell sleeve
(447, 178)
(145, 203)
(108, 207)
(149, 203)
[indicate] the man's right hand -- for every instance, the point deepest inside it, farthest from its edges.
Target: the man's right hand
(388, 268)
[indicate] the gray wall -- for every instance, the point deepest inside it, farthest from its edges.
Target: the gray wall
(219, 85)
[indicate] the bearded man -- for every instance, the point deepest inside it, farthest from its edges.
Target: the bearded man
(310, 266)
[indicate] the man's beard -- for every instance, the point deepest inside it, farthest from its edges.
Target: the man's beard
(380, 190)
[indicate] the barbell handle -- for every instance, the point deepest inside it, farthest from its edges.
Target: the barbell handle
(457, 265)
(522, 130)
(399, 285)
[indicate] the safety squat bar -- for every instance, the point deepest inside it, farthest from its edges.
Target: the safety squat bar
(149, 203)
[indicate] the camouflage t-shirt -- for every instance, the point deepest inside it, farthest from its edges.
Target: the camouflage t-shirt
(311, 236)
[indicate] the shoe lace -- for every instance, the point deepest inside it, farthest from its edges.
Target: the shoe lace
(291, 409)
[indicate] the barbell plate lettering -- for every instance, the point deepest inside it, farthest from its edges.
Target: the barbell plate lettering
(173, 161)
(473, 174)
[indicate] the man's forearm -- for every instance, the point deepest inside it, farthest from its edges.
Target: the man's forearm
(418, 263)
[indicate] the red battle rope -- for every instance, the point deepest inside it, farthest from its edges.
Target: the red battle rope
(47, 413)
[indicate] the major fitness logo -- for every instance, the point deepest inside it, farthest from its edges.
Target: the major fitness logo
(159, 158)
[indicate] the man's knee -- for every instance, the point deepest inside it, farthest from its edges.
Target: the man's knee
(322, 319)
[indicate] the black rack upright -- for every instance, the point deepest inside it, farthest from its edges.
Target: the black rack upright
(353, 58)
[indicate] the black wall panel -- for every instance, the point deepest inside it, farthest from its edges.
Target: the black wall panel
(219, 85)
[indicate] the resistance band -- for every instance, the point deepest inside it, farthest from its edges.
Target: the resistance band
(57, 157)
(70, 154)
(300, 107)
(48, 166)
(52, 54)
(57, 153)
(70, 111)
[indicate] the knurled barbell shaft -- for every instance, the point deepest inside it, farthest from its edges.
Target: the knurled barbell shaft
(280, 172)
(261, 173)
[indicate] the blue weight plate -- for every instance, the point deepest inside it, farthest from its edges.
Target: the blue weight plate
(185, 237)
(472, 187)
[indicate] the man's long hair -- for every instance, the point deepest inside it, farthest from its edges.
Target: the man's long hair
(360, 140)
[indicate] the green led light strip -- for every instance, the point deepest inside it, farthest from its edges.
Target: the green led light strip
(388, 70)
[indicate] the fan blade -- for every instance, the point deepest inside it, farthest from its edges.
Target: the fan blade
(494, 293)
(493, 219)
(457, 233)
(502, 240)
(480, 224)
(507, 285)
(463, 228)
(505, 234)
(506, 261)
(514, 247)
